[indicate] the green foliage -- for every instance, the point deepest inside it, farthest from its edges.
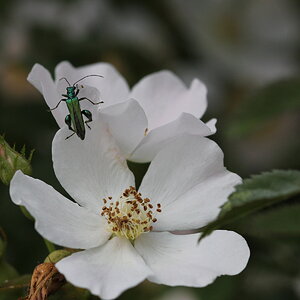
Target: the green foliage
(224, 288)
(256, 193)
(265, 105)
(57, 255)
(139, 170)
(69, 291)
(278, 222)
(26, 213)
(14, 288)
(7, 271)
(11, 161)
(2, 243)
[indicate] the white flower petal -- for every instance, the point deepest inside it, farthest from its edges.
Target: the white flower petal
(112, 87)
(90, 169)
(164, 97)
(56, 218)
(212, 125)
(181, 260)
(199, 206)
(106, 271)
(159, 137)
(41, 79)
(127, 123)
(189, 180)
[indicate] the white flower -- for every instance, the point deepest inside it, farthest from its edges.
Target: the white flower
(253, 44)
(142, 120)
(115, 226)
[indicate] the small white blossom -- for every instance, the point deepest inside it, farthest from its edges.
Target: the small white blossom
(125, 234)
(157, 109)
(253, 44)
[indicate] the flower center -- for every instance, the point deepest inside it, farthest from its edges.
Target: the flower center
(131, 215)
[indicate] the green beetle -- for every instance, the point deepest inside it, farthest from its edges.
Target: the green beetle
(74, 119)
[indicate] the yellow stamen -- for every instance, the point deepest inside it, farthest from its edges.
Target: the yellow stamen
(130, 215)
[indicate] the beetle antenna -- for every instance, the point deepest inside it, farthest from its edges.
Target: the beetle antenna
(86, 77)
(65, 80)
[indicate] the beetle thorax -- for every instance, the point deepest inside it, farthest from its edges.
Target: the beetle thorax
(71, 91)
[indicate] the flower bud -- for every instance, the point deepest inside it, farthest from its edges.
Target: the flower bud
(11, 161)
(45, 281)
(57, 255)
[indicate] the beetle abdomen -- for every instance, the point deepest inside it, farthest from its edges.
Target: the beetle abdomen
(76, 117)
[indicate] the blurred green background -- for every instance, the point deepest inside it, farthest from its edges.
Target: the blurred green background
(245, 51)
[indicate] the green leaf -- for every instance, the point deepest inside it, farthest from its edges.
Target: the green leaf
(256, 193)
(16, 283)
(224, 288)
(265, 105)
(278, 222)
(14, 288)
(26, 213)
(7, 271)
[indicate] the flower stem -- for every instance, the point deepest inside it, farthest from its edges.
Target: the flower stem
(49, 246)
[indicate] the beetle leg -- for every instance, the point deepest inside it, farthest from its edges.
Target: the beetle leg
(87, 114)
(69, 136)
(68, 121)
(57, 104)
(94, 103)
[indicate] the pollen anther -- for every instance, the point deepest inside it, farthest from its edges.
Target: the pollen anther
(130, 215)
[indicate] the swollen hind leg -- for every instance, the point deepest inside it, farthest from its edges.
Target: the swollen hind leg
(68, 121)
(89, 117)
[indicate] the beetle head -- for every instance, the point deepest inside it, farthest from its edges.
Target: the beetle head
(71, 91)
